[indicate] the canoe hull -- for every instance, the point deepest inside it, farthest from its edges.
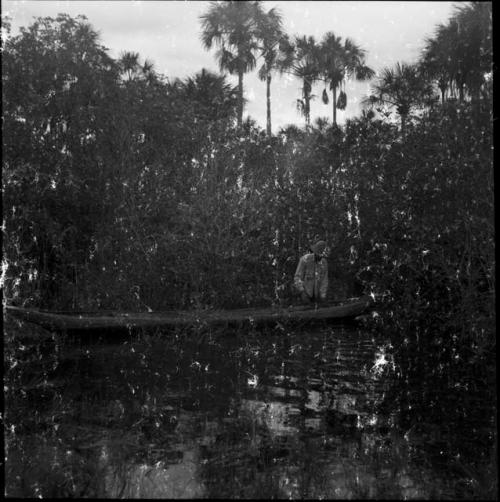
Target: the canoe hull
(132, 321)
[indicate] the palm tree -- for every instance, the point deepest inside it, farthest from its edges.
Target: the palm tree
(459, 56)
(213, 98)
(321, 124)
(449, 41)
(232, 27)
(129, 64)
(332, 69)
(474, 30)
(403, 88)
(340, 62)
(304, 65)
(272, 48)
(148, 72)
(435, 62)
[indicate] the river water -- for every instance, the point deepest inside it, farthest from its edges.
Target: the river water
(219, 414)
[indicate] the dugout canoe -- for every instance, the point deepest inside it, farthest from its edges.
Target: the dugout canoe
(112, 321)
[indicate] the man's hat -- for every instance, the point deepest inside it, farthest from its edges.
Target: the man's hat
(319, 248)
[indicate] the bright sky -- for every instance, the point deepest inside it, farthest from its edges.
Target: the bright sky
(168, 33)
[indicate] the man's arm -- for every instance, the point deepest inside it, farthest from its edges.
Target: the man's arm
(298, 279)
(323, 287)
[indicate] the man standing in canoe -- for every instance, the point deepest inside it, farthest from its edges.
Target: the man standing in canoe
(311, 276)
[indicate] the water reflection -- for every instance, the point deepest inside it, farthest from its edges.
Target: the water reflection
(242, 416)
(179, 481)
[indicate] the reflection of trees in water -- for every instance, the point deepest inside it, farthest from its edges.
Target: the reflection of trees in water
(162, 479)
(311, 430)
(247, 415)
(447, 402)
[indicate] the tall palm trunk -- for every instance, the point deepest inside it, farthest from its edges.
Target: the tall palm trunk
(306, 93)
(443, 90)
(268, 97)
(335, 105)
(307, 110)
(240, 99)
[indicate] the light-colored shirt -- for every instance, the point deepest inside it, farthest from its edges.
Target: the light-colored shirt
(311, 276)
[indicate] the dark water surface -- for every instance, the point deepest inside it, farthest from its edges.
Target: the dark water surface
(237, 414)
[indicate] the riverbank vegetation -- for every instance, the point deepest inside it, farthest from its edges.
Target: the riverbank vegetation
(125, 189)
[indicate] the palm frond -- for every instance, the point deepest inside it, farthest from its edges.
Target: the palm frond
(324, 97)
(364, 72)
(227, 60)
(263, 72)
(300, 105)
(342, 101)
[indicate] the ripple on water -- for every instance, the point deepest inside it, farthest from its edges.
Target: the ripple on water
(251, 415)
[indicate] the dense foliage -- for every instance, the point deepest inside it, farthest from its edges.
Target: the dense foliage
(125, 190)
